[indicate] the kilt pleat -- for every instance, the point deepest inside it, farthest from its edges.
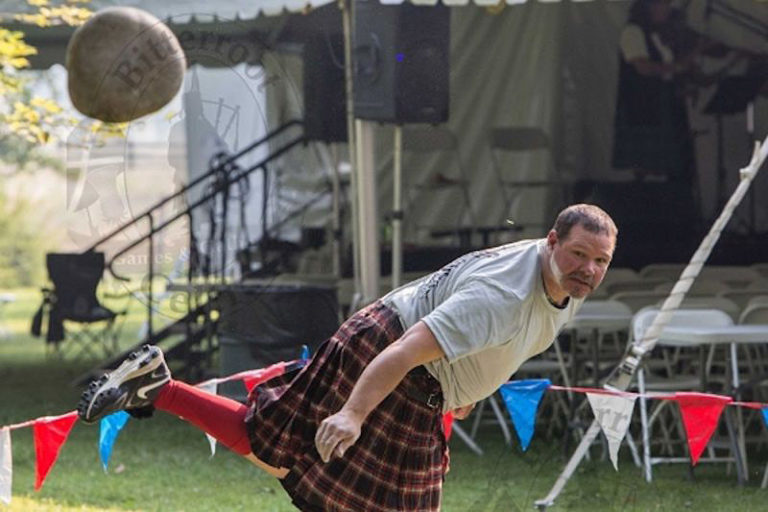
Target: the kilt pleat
(399, 461)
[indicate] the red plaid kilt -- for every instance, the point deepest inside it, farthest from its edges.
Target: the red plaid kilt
(399, 462)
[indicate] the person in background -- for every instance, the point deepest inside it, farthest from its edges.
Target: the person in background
(651, 131)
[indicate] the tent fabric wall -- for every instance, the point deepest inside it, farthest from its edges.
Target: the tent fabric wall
(504, 71)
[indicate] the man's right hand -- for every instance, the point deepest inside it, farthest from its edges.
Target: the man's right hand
(336, 434)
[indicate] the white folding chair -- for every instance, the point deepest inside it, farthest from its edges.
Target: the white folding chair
(423, 222)
(636, 299)
(515, 150)
(635, 285)
(735, 276)
(758, 300)
(711, 302)
(618, 275)
(742, 296)
(672, 372)
(599, 334)
(756, 360)
(760, 268)
(699, 288)
(667, 271)
(756, 313)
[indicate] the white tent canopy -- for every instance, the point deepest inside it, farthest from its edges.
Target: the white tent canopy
(202, 10)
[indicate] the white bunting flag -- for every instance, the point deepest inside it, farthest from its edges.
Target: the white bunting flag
(210, 387)
(613, 413)
(6, 465)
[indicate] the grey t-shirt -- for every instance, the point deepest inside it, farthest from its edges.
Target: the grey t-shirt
(489, 312)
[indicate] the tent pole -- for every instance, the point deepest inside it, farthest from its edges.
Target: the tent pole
(397, 210)
(368, 232)
(346, 17)
(336, 221)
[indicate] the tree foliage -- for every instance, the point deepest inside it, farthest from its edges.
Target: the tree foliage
(27, 124)
(29, 121)
(23, 242)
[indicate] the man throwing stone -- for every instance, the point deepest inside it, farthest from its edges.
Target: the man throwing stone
(360, 427)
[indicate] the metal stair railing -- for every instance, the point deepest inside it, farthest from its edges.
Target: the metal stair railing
(164, 333)
(226, 173)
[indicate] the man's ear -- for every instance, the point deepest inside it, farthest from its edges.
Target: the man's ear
(551, 238)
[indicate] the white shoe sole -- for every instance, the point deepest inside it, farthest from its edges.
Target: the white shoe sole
(143, 361)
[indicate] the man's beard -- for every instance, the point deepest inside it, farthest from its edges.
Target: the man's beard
(558, 276)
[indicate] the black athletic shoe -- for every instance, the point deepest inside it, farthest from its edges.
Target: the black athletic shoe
(133, 384)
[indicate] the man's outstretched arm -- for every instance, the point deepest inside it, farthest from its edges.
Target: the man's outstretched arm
(382, 375)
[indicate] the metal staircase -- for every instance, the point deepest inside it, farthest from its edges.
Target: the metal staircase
(189, 342)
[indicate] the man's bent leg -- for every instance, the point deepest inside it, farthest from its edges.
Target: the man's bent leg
(275, 472)
(216, 415)
(143, 379)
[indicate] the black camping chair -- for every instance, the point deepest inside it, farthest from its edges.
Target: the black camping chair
(72, 299)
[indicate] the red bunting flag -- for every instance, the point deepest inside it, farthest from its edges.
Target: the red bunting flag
(261, 376)
(448, 425)
(701, 413)
(50, 433)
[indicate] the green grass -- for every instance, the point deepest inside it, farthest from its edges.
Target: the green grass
(163, 464)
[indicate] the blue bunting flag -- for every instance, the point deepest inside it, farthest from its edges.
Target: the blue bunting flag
(109, 427)
(522, 399)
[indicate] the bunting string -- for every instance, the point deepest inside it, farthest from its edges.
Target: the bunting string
(650, 395)
(613, 410)
(31, 423)
(51, 432)
(249, 374)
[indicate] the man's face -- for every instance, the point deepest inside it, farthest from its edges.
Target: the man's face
(579, 262)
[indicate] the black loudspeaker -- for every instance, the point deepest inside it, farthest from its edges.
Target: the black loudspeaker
(401, 57)
(325, 98)
(261, 325)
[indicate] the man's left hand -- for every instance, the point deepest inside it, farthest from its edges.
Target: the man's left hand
(462, 412)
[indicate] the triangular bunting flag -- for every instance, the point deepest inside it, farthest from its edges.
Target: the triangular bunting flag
(701, 413)
(50, 434)
(522, 399)
(764, 410)
(6, 465)
(109, 427)
(613, 413)
(263, 375)
(212, 388)
(448, 425)
(305, 354)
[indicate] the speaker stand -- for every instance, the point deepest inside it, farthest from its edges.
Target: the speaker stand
(397, 209)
